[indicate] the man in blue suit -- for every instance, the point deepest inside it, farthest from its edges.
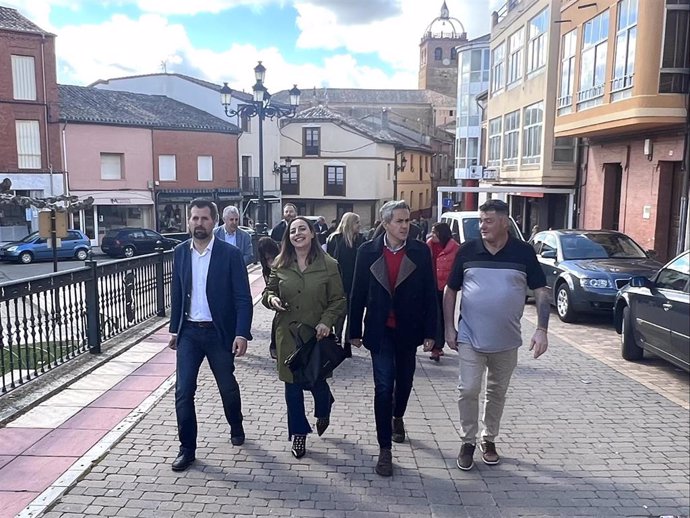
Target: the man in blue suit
(230, 233)
(210, 317)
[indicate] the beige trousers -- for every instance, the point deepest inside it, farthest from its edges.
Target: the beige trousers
(498, 368)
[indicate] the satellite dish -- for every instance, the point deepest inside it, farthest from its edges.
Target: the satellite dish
(446, 61)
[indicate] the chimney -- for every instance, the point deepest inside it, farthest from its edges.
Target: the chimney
(384, 118)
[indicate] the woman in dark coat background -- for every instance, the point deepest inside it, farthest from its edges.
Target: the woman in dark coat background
(342, 245)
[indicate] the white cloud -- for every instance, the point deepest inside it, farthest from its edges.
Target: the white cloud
(125, 46)
(120, 46)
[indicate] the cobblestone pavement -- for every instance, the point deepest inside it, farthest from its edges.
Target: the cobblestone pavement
(579, 438)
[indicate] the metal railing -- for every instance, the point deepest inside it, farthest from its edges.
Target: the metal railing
(48, 320)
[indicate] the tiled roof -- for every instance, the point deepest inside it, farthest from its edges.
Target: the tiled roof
(11, 20)
(370, 128)
(370, 96)
(207, 84)
(93, 105)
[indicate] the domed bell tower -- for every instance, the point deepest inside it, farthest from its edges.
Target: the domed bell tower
(438, 60)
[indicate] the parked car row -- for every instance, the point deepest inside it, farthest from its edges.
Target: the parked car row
(603, 271)
(122, 242)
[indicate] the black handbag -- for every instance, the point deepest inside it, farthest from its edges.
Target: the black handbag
(313, 360)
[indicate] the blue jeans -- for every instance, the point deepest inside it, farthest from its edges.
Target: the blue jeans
(193, 345)
(394, 368)
(294, 398)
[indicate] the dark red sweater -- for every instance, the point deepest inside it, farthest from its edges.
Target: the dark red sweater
(393, 262)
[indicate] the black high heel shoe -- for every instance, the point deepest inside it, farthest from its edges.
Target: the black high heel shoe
(322, 425)
(299, 446)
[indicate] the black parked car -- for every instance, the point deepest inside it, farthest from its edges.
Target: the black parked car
(654, 314)
(586, 268)
(129, 241)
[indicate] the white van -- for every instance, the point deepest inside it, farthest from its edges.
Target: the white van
(464, 225)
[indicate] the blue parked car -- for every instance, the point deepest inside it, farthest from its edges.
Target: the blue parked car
(35, 248)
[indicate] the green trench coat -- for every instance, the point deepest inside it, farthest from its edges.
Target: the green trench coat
(313, 296)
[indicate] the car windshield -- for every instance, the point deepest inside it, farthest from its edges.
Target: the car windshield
(29, 238)
(600, 246)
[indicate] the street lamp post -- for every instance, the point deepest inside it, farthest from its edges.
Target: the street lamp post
(260, 107)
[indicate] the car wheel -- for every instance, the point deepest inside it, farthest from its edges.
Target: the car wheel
(564, 307)
(630, 350)
(26, 257)
(81, 255)
(128, 251)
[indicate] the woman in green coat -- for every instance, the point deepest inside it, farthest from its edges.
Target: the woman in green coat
(305, 287)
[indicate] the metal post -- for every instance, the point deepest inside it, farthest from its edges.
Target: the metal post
(93, 327)
(160, 284)
(261, 216)
(53, 238)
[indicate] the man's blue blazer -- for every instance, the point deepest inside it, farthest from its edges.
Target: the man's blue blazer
(243, 240)
(227, 291)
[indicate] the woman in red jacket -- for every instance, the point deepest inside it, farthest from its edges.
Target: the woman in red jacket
(443, 251)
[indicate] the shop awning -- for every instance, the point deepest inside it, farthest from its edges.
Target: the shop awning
(117, 197)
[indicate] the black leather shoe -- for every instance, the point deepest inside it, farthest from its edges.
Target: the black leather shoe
(299, 446)
(237, 435)
(183, 461)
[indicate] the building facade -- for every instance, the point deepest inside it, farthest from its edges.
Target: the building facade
(624, 70)
(521, 147)
(206, 96)
(30, 155)
(341, 164)
(143, 158)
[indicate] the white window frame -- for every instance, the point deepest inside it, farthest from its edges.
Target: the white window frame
(204, 168)
(23, 78)
(29, 154)
(167, 168)
(498, 56)
(111, 166)
(537, 45)
(495, 136)
(594, 41)
(516, 48)
(511, 138)
(624, 56)
(561, 144)
(567, 86)
(532, 131)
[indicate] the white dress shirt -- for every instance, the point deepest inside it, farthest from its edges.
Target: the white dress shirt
(199, 310)
(231, 238)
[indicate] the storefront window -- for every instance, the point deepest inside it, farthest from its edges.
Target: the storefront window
(171, 217)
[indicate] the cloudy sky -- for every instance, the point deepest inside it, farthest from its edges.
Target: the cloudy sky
(336, 43)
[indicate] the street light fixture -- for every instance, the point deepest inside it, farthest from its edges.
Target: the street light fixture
(399, 166)
(263, 108)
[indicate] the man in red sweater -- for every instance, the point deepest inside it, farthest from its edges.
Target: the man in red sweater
(394, 281)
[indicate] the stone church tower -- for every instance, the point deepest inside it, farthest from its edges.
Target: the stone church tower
(438, 60)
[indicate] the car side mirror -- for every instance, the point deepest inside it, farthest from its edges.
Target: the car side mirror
(651, 254)
(641, 282)
(549, 254)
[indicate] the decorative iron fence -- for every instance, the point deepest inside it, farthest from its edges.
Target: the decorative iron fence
(47, 320)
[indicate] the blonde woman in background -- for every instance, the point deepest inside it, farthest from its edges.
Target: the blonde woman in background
(342, 245)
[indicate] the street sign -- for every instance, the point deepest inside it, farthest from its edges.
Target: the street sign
(44, 224)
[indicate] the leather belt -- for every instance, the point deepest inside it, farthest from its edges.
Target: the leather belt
(203, 325)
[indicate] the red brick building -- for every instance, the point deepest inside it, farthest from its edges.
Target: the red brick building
(30, 153)
(143, 158)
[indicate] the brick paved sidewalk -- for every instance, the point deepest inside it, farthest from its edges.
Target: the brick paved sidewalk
(578, 439)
